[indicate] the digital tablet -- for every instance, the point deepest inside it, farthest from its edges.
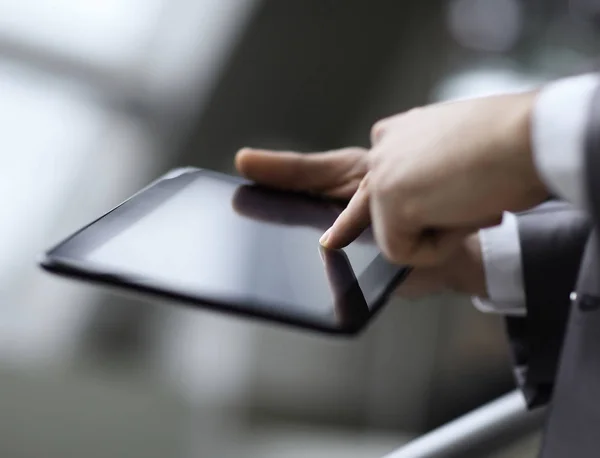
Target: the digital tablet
(216, 241)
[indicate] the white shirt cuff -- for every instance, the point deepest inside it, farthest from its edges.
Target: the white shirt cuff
(501, 253)
(558, 129)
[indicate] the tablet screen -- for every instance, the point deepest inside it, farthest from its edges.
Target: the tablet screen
(214, 237)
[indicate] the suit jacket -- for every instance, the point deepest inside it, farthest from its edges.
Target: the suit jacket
(552, 238)
(556, 346)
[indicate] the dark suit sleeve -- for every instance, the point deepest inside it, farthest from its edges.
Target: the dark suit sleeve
(552, 238)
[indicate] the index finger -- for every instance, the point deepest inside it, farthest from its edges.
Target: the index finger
(352, 221)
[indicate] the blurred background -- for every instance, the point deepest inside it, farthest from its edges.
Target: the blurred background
(97, 98)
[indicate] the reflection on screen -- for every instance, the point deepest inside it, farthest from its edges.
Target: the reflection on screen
(218, 239)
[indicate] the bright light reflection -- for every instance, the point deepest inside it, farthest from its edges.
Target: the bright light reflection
(111, 33)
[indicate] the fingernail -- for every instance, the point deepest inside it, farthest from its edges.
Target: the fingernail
(324, 237)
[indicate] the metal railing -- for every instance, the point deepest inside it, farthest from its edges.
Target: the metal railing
(477, 433)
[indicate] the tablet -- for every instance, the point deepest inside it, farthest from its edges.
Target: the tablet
(216, 241)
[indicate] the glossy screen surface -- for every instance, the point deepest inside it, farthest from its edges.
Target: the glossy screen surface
(213, 237)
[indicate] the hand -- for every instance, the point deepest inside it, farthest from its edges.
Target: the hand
(438, 173)
(338, 174)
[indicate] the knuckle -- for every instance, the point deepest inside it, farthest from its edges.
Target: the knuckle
(381, 127)
(378, 130)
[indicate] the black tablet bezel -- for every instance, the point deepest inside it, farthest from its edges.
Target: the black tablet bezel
(67, 259)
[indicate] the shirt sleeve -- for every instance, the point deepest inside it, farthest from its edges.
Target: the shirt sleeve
(558, 128)
(501, 253)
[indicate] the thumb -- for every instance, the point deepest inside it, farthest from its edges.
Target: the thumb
(352, 221)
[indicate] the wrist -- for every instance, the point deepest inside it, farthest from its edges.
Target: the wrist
(515, 137)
